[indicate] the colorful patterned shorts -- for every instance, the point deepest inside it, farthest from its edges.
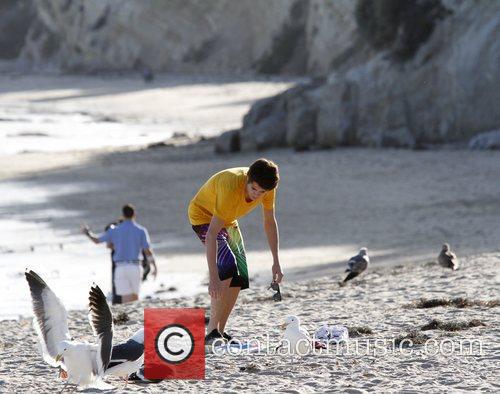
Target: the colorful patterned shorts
(231, 259)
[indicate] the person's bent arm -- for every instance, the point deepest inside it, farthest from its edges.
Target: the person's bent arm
(214, 286)
(90, 234)
(272, 234)
(151, 260)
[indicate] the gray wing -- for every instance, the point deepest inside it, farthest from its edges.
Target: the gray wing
(101, 321)
(128, 351)
(448, 260)
(50, 321)
(453, 259)
(357, 264)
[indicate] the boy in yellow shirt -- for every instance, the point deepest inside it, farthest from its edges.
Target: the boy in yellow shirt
(213, 213)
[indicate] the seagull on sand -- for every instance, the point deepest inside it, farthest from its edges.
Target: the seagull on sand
(356, 265)
(447, 258)
(83, 363)
(297, 336)
(128, 357)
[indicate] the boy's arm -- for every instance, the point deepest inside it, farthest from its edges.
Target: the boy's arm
(271, 229)
(214, 286)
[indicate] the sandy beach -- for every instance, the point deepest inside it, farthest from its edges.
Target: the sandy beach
(401, 204)
(382, 301)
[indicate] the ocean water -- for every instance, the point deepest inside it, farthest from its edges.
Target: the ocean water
(57, 132)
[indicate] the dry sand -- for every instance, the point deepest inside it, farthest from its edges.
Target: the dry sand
(378, 301)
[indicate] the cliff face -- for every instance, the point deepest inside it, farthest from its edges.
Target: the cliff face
(414, 89)
(16, 17)
(174, 35)
(275, 37)
(449, 91)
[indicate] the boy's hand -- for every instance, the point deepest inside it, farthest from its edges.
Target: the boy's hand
(277, 274)
(215, 288)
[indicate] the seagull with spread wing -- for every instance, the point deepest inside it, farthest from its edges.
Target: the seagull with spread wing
(83, 363)
(127, 357)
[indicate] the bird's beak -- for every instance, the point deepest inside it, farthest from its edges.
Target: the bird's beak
(59, 357)
(283, 326)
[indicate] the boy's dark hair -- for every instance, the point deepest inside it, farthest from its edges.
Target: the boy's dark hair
(128, 211)
(265, 173)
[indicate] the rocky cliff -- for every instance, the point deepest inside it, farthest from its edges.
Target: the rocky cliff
(433, 81)
(222, 36)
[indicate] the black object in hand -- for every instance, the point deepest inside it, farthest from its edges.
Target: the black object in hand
(276, 287)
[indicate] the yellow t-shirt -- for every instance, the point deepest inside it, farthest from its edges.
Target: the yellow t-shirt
(223, 195)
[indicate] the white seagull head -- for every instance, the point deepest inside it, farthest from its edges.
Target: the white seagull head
(66, 346)
(291, 321)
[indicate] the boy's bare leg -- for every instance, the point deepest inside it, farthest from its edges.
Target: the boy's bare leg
(231, 296)
(217, 307)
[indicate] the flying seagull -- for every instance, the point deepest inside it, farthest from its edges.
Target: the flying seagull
(447, 258)
(84, 363)
(356, 265)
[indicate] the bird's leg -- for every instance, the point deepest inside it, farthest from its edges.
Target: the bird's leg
(76, 386)
(64, 387)
(125, 379)
(68, 384)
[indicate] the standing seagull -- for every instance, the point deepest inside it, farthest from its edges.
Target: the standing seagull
(447, 258)
(128, 357)
(84, 363)
(356, 265)
(297, 337)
